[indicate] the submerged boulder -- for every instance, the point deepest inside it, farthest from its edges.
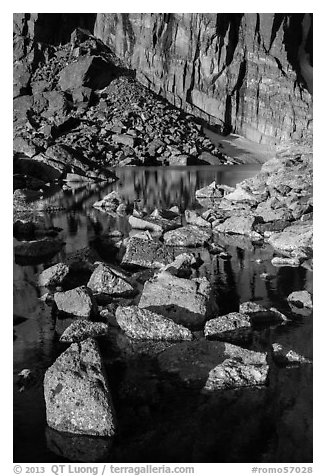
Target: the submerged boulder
(144, 324)
(286, 356)
(77, 394)
(106, 280)
(185, 301)
(79, 302)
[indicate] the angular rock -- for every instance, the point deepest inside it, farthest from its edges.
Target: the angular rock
(231, 327)
(270, 214)
(194, 363)
(89, 71)
(77, 394)
(54, 275)
(176, 298)
(178, 160)
(181, 266)
(141, 224)
(146, 254)
(188, 236)
(238, 225)
(125, 139)
(41, 167)
(82, 329)
(294, 238)
(106, 280)
(110, 201)
(241, 195)
(144, 324)
(279, 261)
(194, 219)
(79, 302)
(260, 314)
(300, 299)
(24, 146)
(286, 356)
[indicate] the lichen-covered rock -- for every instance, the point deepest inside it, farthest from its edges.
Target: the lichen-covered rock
(54, 275)
(79, 302)
(82, 329)
(231, 327)
(106, 280)
(146, 254)
(144, 324)
(300, 299)
(176, 298)
(260, 314)
(188, 236)
(286, 356)
(77, 394)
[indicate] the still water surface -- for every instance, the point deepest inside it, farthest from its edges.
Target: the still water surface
(159, 419)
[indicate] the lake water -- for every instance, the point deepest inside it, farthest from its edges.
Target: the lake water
(161, 420)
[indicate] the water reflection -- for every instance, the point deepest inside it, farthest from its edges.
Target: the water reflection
(156, 421)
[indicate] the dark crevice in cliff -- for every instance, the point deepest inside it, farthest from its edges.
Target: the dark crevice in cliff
(56, 28)
(129, 33)
(192, 80)
(231, 22)
(228, 115)
(277, 22)
(239, 83)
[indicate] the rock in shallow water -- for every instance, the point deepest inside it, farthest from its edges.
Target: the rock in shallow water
(36, 251)
(261, 315)
(146, 254)
(234, 326)
(286, 356)
(77, 394)
(214, 365)
(54, 275)
(144, 324)
(300, 299)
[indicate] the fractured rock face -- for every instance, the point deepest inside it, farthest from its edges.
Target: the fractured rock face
(79, 302)
(144, 324)
(77, 394)
(183, 300)
(106, 280)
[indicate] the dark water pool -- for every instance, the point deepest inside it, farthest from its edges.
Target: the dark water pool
(160, 420)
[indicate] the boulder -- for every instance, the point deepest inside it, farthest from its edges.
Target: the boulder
(270, 214)
(146, 254)
(125, 139)
(144, 324)
(279, 261)
(238, 225)
(178, 160)
(183, 300)
(261, 315)
(286, 356)
(77, 394)
(231, 327)
(147, 224)
(188, 236)
(110, 201)
(300, 299)
(90, 71)
(24, 146)
(293, 239)
(241, 195)
(181, 266)
(79, 302)
(105, 280)
(205, 364)
(82, 329)
(41, 167)
(54, 275)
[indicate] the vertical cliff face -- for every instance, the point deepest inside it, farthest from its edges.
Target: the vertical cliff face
(248, 73)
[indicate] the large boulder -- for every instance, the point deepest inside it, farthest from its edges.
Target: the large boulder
(214, 365)
(189, 236)
(297, 238)
(41, 167)
(238, 224)
(54, 275)
(109, 202)
(193, 218)
(300, 299)
(89, 71)
(33, 252)
(144, 324)
(79, 302)
(146, 254)
(77, 394)
(259, 314)
(183, 300)
(105, 280)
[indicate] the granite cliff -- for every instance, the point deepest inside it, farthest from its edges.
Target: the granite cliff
(247, 73)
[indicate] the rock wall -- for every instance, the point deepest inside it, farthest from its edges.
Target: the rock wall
(240, 71)
(247, 73)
